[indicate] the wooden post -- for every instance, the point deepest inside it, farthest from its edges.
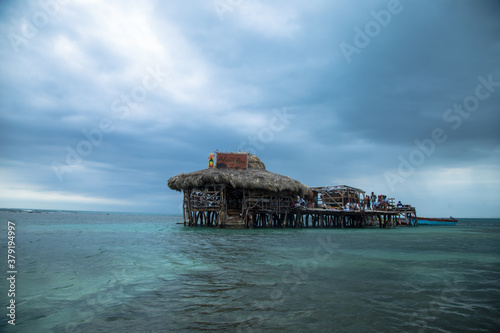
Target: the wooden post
(189, 211)
(223, 208)
(184, 207)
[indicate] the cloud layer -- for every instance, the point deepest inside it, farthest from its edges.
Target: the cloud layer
(101, 103)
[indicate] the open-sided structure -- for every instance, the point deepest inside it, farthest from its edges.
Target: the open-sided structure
(339, 195)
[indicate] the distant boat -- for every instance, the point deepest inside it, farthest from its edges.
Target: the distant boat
(437, 221)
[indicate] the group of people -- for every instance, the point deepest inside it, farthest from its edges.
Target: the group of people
(352, 206)
(372, 201)
(379, 202)
(302, 202)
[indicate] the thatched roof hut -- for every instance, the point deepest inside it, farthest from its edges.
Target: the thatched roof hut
(235, 192)
(255, 177)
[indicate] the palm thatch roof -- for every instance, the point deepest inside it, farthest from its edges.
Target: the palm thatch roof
(255, 177)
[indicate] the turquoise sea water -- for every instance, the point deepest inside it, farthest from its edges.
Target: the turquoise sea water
(89, 272)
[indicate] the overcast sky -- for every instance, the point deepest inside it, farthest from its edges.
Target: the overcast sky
(102, 101)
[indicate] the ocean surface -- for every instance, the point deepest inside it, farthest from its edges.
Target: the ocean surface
(93, 272)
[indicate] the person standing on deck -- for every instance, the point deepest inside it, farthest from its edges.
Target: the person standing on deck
(367, 202)
(373, 199)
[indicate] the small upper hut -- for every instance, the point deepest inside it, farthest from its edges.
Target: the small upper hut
(236, 191)
(339, 195)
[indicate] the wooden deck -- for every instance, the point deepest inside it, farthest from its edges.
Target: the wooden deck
(311, 218)
(328, 218)
(215, 205)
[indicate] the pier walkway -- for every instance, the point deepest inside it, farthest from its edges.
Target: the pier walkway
(331, 218)
(307, 218)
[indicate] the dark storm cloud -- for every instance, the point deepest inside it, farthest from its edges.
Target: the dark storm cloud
(351, 118)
